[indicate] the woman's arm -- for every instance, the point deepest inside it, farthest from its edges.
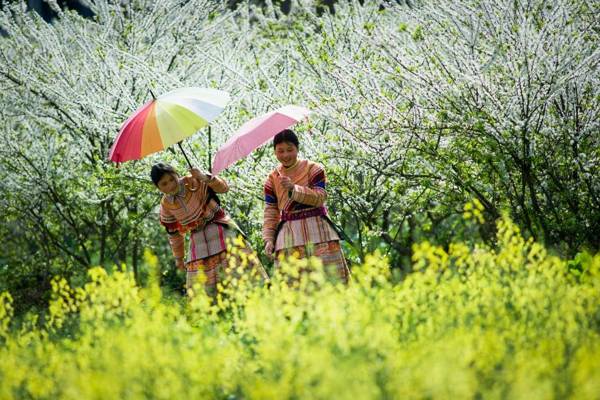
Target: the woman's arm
(218, 184)
(214, 182)
(177, 242)
(314, 194)
(176, 239)
(271, 216)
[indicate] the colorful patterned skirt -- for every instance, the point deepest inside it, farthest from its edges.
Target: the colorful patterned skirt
(330, 254)
(235, 260)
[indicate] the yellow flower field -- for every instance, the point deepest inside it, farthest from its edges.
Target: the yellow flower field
(471, 322)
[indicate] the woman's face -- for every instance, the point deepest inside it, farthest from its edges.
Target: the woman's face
(168, 184)
(286, 153)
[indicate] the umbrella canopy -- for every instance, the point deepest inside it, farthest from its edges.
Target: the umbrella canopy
(166, 120)
(255, 133)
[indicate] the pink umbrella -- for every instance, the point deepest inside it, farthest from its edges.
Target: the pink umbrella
(255, 133)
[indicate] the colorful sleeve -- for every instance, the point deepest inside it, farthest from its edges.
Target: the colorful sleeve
(271, 216)
(314, 194)
(218, 184)
(176, 239)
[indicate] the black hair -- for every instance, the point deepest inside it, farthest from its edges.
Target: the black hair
(286, 135)
(159, 170)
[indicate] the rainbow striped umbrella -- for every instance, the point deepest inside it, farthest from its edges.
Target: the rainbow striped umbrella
(167, 120)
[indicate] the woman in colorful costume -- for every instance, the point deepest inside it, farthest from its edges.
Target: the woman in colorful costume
(189, 204)
(295, 217)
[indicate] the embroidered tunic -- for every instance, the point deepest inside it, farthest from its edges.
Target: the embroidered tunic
(298, 213)
(191, 210)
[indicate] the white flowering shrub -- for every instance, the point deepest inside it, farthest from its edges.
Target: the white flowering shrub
(419, 107)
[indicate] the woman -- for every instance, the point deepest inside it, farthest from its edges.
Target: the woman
(295, 219)
(189, 204)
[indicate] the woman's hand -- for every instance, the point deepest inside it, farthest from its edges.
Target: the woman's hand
(286, 182)
(200, 175)
(269, 249)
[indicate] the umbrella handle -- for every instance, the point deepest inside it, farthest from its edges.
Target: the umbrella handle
(185, 155)
(209, 143)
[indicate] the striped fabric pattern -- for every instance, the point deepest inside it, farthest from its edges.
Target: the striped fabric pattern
(313, 194)
(189, 210)
(330, 254)
(209, 241)
(271, 216)
(309, 193)
(215, 269)
(303, 231)
(206, 271)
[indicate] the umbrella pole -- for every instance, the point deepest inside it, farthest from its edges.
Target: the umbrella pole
(209, 143)
(185, 155)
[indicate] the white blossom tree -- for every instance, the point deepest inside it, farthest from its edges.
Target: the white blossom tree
(419, 107)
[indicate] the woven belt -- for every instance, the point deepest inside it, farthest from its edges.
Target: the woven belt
(293, 216)
(218, 214)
